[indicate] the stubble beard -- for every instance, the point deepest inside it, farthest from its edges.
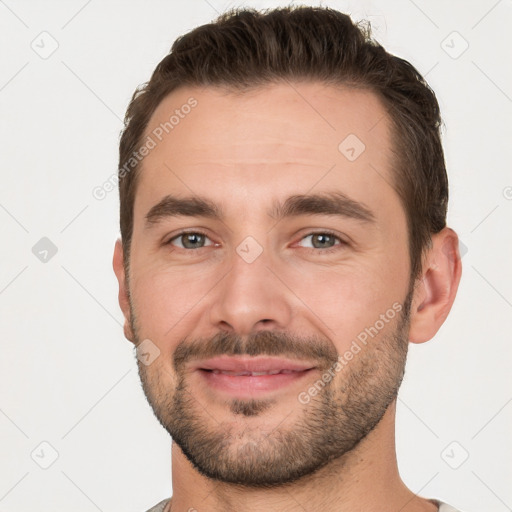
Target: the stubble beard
(312, 435)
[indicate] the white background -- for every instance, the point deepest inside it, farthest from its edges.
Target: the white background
(67, 375)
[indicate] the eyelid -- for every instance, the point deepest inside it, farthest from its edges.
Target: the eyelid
(307, 234)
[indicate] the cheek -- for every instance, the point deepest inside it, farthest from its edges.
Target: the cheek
(343, 301)
(166, 300)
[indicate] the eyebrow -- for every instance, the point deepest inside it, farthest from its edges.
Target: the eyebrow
(330, 203)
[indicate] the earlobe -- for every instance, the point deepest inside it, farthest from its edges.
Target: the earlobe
(124, 301)
(436, 288)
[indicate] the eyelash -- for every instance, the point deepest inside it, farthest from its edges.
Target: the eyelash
(323, 232)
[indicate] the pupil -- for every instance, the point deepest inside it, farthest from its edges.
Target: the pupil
(324, 239)
(192, 239)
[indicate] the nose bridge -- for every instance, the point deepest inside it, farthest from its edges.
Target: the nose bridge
(250, 296)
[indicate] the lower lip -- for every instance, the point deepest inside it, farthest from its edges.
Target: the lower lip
(250, 385)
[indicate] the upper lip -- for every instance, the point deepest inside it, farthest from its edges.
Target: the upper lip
(252, 364)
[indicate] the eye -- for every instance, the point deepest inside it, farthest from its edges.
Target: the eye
(189, 240)
(323, 240)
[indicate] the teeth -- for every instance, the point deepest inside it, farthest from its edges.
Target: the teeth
(245, 373)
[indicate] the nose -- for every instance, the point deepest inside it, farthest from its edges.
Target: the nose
(251, 297)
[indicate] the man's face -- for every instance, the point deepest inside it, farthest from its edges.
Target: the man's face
(317, 290)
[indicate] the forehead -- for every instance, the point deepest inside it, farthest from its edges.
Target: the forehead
(279, 139)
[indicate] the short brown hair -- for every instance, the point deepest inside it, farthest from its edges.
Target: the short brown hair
(245, 48)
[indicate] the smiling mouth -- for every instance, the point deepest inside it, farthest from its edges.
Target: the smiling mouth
(260, 365)
(249, 373)
(251, 377)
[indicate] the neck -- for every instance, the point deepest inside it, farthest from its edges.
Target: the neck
(366, 478)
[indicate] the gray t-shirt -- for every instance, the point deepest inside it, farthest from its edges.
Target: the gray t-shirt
(159, 507)
(443, 507)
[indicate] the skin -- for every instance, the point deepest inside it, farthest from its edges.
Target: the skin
(243, 152)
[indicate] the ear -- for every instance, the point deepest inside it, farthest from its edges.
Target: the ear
(124, 301)
(436, 287)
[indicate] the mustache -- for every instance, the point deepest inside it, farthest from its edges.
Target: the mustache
(269, 343)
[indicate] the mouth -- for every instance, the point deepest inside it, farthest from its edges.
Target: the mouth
(248, 373)
(248, 377)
